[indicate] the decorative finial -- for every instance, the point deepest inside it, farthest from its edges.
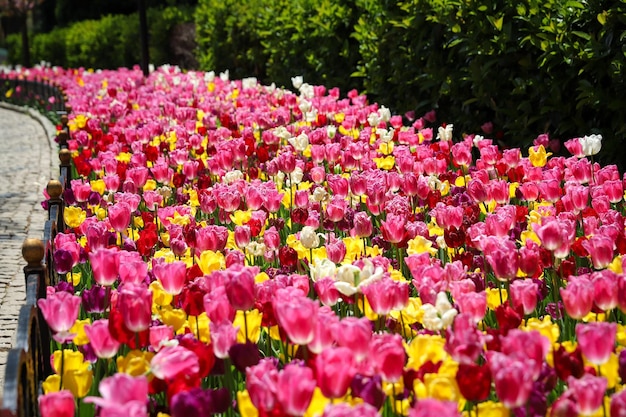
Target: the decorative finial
(33, 251)
(54, 189)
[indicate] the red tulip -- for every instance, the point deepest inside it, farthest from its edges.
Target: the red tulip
(474, 381)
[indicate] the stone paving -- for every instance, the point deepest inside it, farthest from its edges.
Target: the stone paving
(28, 159)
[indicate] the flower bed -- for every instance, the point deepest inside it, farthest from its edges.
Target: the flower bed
(239, 249)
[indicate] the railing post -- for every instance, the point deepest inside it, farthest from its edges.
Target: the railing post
(33, 252)
(55, 203)
(65, 172)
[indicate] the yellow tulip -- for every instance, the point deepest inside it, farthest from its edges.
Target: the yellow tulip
(252, 321)
(79, 329)
(210, 261)
(74, 216)
(199, 325)
(135, 363)
(173, 317)
(424, 348)
(538, 157)
(246, 408)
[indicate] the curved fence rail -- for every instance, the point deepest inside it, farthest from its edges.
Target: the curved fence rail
(40, 94)
(28, 362)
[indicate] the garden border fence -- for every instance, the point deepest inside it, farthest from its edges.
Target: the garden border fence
(28, 362)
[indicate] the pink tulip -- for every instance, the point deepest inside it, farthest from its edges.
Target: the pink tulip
(354, 334)
(336, 250)
(81, 190)
(296, 315)
(172, 276)
(217, 306)
(345, 410)
(596, 340)
(296, 389)
(557, 236)
(578, 296)
(135, 304)
(103, 343)
(530, 347)
(322, 335)
(174, 360)
(588, 391)
(122, 395)
(386, 295)
(362, 224)
(60, 309)
(448, 216)
(504, 260)
(512, 380)
(119, 216)
(240, 288)
(242, 236)
(262, 385)
(464, 342)
(335, 369)
(326, 291)
(223, 337)
(57, 404)
(159, 335)
(600, 248)
(605, 289)
(473, 304)
(618, 404)
(429, 407)
(131, 267)
(524, 294)
(392, 228)
(336, 209)
(388, 356)
(211, 238)
(105, 265)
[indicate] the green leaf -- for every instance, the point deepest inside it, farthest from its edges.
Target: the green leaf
(497, 23)
(583, 35)
(602, 17)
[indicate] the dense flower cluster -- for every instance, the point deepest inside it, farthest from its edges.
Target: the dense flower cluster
(246, 250)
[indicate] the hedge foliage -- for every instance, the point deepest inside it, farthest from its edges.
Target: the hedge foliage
(110, 42)
(529, 67)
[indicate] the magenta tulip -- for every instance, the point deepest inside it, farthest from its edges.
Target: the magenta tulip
(119, 216)
(296, 389)
(335, 369)
(57, 404)
(135, 304)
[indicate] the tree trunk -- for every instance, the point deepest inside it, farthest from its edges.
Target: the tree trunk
(143, 33)
(25, 45)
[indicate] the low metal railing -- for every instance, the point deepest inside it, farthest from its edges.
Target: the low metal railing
(28, 362)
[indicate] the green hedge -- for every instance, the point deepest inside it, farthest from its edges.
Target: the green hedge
(110, 42)
(529, 67)
(275, 40)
